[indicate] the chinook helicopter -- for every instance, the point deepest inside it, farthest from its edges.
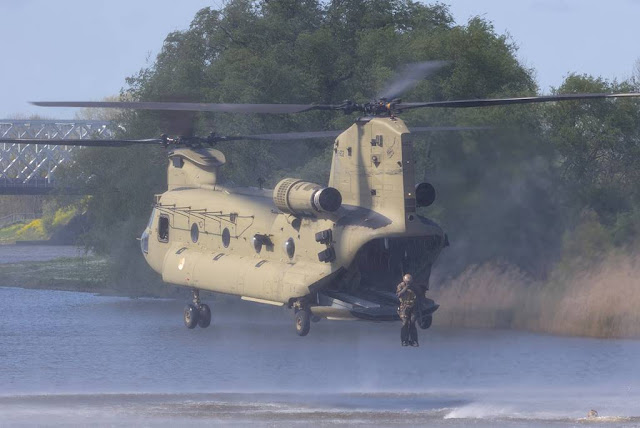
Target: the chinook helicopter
(333, 251)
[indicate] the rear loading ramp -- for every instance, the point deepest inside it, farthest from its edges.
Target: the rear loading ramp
(368, 305)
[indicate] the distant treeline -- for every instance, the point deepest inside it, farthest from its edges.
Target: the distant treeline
(548, 184)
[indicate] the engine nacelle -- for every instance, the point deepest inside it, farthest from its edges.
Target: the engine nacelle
(295, 196)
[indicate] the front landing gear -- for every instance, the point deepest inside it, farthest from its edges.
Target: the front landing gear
(191, 316)
(197, 313)
(303, 322)
(204, 316)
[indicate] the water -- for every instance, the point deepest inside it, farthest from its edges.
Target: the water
(73, 359)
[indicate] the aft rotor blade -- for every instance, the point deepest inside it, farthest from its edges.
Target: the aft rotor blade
(408, 77)
(510, 101)
(291, 136)
(82, 143)
(178, 106)
(335, 133)
(416, 129)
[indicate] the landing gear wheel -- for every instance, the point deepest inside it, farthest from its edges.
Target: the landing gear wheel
(191, 315)
(204, 316)
(425, 322)
(303, 322)
(315, 318)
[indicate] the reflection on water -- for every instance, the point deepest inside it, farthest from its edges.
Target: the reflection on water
(37, 253)
(73, 358)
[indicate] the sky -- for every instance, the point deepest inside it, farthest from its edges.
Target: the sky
(79, 50)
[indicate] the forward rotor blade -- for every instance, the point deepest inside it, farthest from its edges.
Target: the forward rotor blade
(408, 77)
(82, 143)
(178, 106)
(510, 101)
(213, 139)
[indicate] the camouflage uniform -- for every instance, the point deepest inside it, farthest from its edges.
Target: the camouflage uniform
(407, 312)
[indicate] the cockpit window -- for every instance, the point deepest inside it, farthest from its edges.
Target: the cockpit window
(163, 228)
(153, 215)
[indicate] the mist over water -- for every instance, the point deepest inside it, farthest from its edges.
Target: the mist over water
(74, 358)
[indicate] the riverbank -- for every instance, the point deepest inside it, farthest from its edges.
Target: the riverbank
(32, 230)
(86, 274)
(69, 268)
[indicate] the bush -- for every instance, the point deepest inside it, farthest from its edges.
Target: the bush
(32, 231)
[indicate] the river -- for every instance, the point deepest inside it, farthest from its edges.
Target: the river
(71, 358)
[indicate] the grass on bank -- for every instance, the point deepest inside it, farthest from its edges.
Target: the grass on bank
(78, 274)
(91, 274)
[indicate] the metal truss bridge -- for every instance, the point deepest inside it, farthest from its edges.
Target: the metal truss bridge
(29, 169)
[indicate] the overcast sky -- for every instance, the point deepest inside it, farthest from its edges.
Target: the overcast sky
(83, 50)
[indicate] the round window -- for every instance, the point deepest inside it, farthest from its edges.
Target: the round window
(290, 247)
(195, 232)
(226, 237)
(257, 243)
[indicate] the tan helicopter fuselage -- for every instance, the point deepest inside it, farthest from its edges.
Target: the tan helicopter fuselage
(282, 246)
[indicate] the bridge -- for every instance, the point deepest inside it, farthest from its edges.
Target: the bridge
(29, 169)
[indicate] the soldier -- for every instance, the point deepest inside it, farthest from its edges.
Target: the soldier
(407, 311)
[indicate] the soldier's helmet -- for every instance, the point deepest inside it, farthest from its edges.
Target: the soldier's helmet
(407, 278)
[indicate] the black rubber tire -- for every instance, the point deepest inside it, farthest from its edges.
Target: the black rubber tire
(204, 316)
(425, 322)
(191, 315)
(315, 318)
(302, 322)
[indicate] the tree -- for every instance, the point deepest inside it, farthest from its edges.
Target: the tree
(307, 51)
(599, 144)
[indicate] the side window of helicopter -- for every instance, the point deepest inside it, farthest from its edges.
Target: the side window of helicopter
(195, 232)
(163, 228)
(290, 247)
(226, 237)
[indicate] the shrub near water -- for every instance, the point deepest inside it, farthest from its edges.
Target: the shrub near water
(31, 231)
(493, 295)
(8, 234)
(601, 300)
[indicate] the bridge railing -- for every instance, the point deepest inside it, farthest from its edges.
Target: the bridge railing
(28, 168)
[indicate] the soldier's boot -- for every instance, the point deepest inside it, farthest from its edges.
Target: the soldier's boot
(413, 334)
(404, 334)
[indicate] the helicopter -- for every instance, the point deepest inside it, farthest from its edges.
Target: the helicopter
(333, 251)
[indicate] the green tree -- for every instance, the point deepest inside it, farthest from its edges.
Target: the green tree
(307, 51)
(599, 145)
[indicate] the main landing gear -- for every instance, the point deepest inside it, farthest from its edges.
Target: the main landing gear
(197, 313)
(302, 318)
